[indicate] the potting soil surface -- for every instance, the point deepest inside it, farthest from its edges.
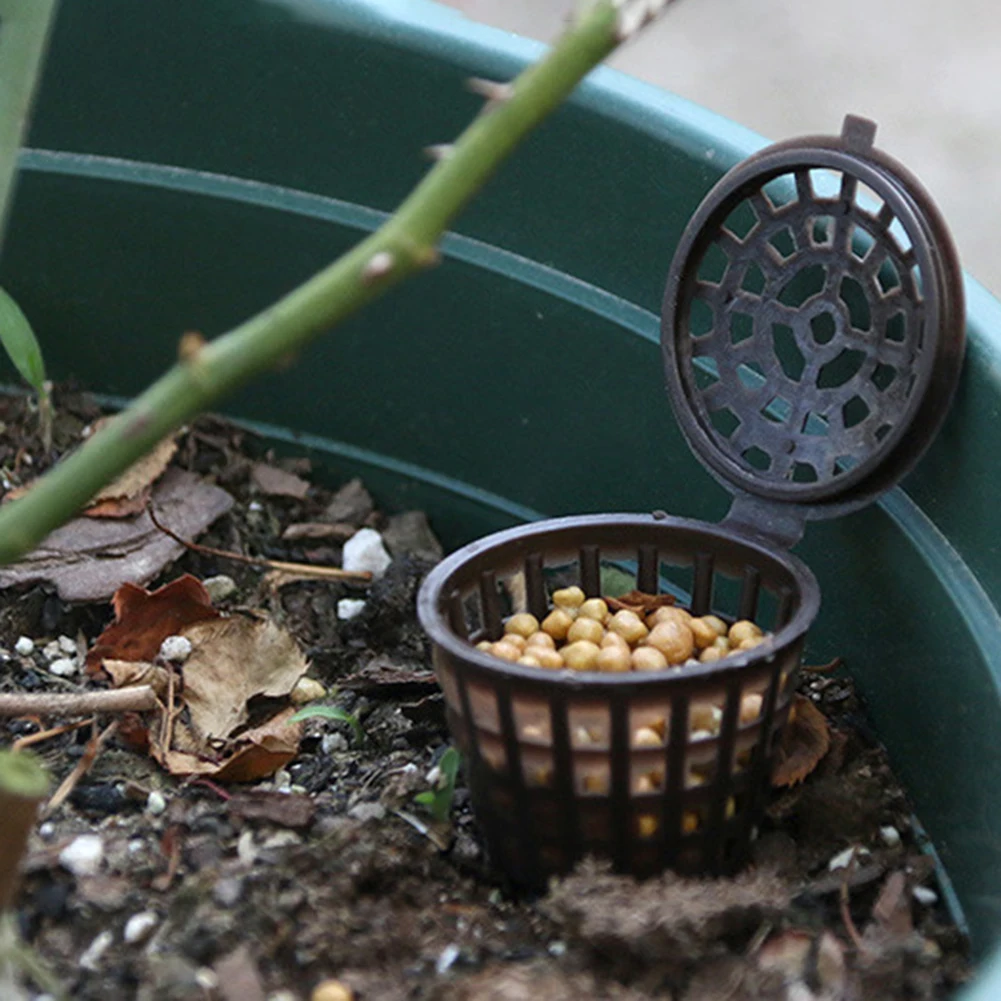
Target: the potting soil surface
(330, 869)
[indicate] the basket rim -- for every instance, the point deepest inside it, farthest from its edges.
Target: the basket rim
(434, 620)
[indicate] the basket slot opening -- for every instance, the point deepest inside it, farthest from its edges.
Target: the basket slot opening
(457, 615)
(490, 606)
(590, 570)
(535, 586)
(702, 584)
(749, 591)
(646, 573)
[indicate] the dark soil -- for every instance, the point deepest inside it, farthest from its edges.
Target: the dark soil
(313, 875)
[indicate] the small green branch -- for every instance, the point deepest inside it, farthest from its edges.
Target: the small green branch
(402, 247)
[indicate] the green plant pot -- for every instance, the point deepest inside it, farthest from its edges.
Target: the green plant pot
(191, 160)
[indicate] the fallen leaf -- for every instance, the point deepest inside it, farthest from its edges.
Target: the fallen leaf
(284, 809)
(255, 754)
(232, 661)
(128, 673)
(313, 530)
(120, 507)
(139, 476)
(639, 601)
(891, 914)
(88, 558)
(144, 619)
(805, 739)
(276, 482)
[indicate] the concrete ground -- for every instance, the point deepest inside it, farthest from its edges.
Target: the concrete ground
(928, 71)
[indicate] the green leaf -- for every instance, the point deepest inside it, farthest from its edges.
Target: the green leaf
(20, 343)
(24, 31)
(331, 712)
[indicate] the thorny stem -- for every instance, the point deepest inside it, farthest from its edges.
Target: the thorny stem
(404, 245)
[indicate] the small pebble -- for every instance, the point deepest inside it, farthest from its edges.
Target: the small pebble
(925, 895)
(447, 959)
(283, 780)
(281, 839)
(365, 551)
(348, 608)
(206, 979)
(156, 803)
(557, 949)
(219, 587)
(332, 990)
(139, 926)
(246, 850)
(67, 644)
(283, 995)
(228, 891)
(890, 836)
(83, 855)
(255, 506)
(331, 742)
(64, 667)
(306, 690)
(843, 859)
(24, 645)
(46, 830)
(175, 649)
(51, 650)
(91, 959)
(367, 811)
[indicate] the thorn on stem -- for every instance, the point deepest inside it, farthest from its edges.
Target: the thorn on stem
(494, 91)
(635, 14)
(379, 265)
(189, 345)
(440, 151)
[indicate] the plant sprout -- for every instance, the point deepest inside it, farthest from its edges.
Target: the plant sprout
(439, 799)
(23, 349)
(331, 712)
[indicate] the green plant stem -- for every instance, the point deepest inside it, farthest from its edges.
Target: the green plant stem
(404, 245)
(24, 32)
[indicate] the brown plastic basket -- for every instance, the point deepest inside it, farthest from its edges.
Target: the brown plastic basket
(813, 337)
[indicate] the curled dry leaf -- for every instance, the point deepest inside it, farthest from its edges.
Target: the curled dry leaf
(128, 673)
(232, 661)
(254, 754)
(127, 495)
(144, 619)
(639, 602)
(806, 738)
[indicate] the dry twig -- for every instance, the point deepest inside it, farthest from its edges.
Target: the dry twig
(81, 768)
(302, 569)
(120, 700)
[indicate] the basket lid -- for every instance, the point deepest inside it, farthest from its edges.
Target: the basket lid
(813, 329)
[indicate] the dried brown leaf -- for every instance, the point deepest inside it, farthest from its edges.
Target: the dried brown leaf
(120, 507)
(805, 739)
(234, 660)
(255, 754)
(276, 482)
(318, 530)
(140, 475)
(144, 619)
(891, 914)
(125, 673)
(88, 558)
(639, 602)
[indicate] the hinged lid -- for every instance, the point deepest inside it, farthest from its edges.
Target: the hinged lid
(813, 329)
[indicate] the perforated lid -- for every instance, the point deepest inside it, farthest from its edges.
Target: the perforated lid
(813, 327)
